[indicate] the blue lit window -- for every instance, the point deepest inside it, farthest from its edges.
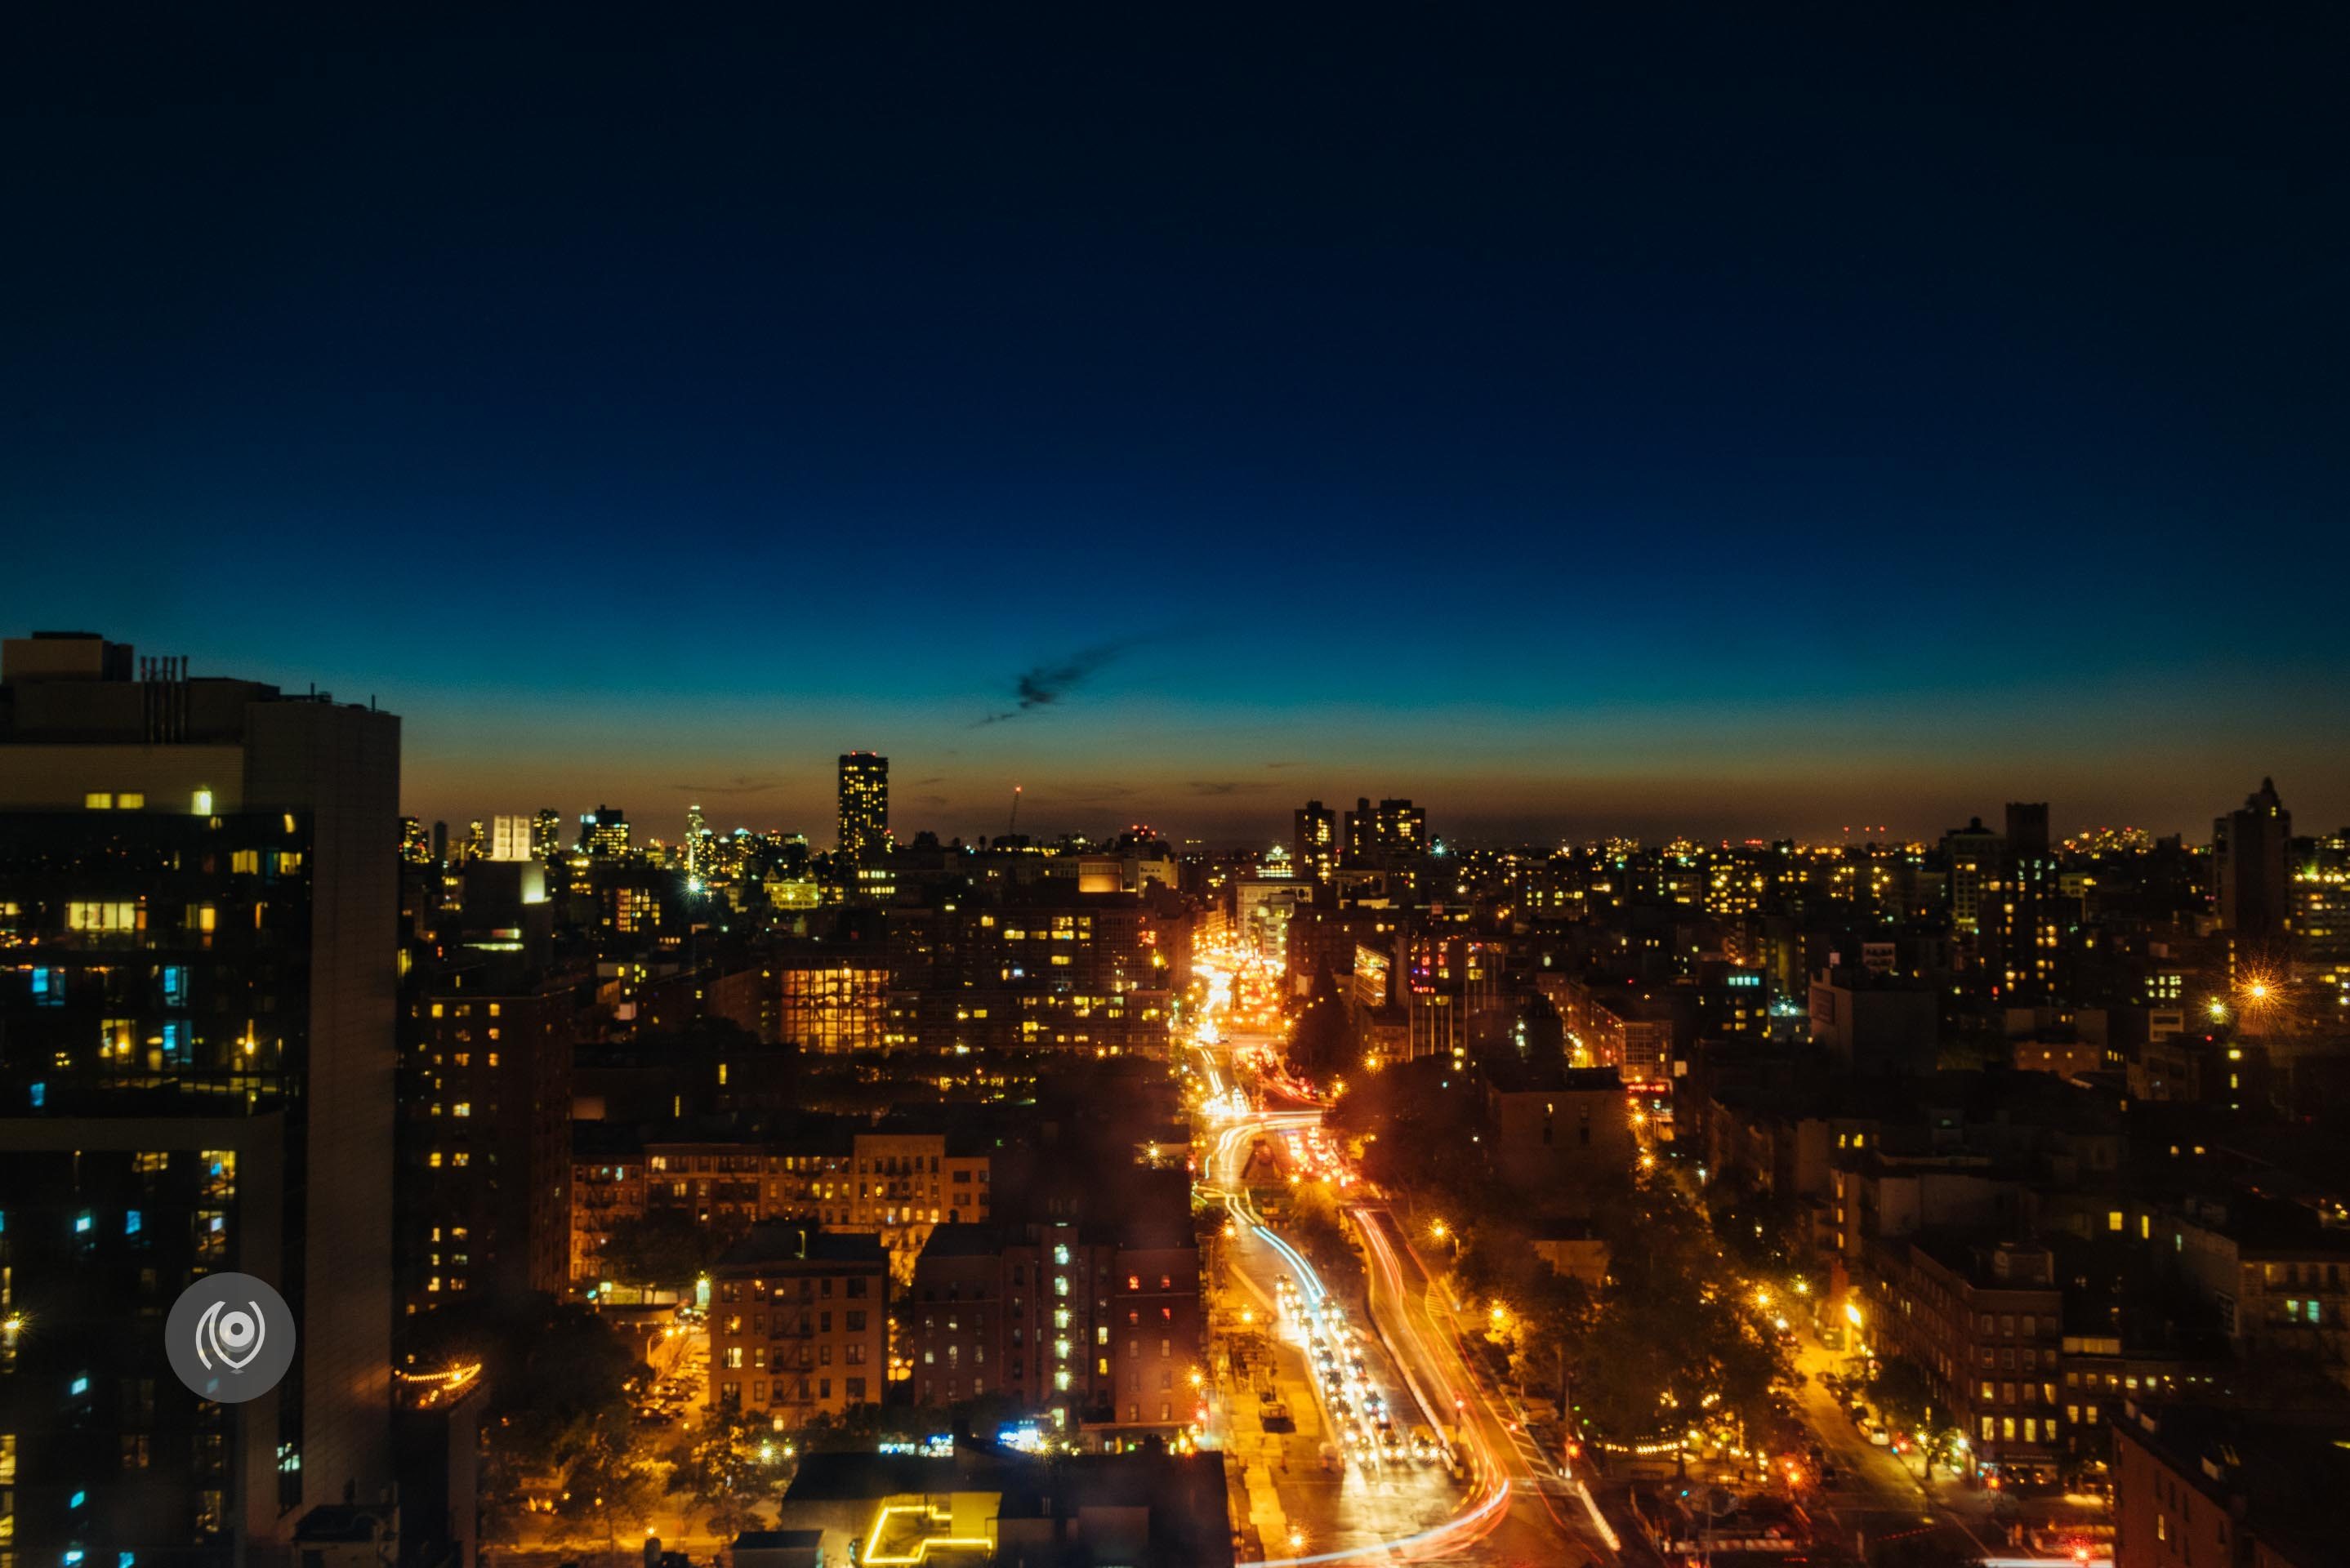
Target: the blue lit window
(80, 1387)
(126, 1560)
(130, 1223)
(73, 1555)
(171, 1040)
(78, 1499)
(49, 988)
(82, 1223)
(176, 984)
(40, 1092)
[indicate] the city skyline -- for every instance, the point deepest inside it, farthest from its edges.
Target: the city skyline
(1914, 803)
(942, 790)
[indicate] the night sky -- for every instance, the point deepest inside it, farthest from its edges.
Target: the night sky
(1661, 422)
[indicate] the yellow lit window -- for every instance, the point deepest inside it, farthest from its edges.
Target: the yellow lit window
(99, 800)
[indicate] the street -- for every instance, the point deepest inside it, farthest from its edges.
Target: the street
(1308, 1497)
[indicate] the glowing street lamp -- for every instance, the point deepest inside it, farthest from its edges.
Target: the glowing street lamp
(1436, 1230)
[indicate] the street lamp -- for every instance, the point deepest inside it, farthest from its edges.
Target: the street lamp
(1436, 1230)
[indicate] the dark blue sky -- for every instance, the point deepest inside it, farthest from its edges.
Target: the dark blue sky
(1688, 419)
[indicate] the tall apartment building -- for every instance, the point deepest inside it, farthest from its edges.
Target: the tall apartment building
(1394, 827)
(864, 807)
(2025, 919)
(1317, 841)
(2203, 1485)
(198, 907)
(2248, 855)
(799, 1324)
(1970, 856)
(486, 1143)
(1099, 1330)
(1985, 1322)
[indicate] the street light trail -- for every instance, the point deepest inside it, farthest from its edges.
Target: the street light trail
(1489, 1503)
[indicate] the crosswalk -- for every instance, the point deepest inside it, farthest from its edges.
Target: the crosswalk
(1539, 1465)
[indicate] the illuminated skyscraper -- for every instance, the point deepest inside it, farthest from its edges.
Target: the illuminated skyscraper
(864, 806)
(2248, 856)
(697, 834)
(547, 835)
(604, 833)
(1396, 828)
(1318, 840)
(510, 837)
(1974, 855)
(2025, 922)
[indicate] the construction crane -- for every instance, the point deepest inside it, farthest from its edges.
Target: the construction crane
(1015, 823)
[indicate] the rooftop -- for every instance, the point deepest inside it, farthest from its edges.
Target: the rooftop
(783, 1242)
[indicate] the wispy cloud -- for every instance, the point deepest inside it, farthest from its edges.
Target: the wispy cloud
(1227, 786)
(743, 783)
(1043, 685)
(1082, 794)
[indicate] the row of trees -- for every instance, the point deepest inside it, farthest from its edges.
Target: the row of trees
(1670, 1338)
